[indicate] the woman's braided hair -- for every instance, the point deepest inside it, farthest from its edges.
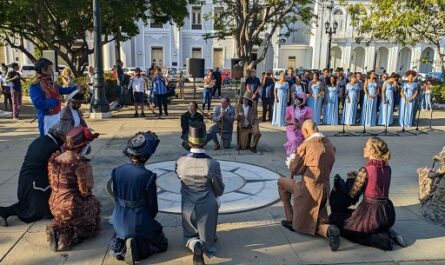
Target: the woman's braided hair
(379, 149)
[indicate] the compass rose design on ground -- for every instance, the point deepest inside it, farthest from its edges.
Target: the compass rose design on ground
(248, 187)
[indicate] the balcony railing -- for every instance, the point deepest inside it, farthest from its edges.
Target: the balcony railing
(197, 26)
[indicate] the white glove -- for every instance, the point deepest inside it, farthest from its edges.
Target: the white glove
(289, 159)
(218, 201)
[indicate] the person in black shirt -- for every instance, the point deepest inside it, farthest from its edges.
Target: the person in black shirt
(191, 117)
(253, 84)
(267, 96)
(217, 87)
(15, 78)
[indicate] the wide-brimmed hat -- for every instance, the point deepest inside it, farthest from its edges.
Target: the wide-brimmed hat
(79, 137)
(142, 144)
(301, 96)
(76, 96)
(137, 70)
(248, 95)
(197, 134)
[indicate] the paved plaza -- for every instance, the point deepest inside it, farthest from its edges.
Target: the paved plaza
(249, 230)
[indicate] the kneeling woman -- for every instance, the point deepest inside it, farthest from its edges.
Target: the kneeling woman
(295, 116)
(75, 209)
(369, 224)
(137, 234)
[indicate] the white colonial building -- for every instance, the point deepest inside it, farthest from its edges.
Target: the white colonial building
(307, 48)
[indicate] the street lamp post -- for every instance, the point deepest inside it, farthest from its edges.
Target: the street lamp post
(101, 109)
(330, 31)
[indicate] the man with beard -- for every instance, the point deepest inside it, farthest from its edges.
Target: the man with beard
(33, 189)
(71, 113)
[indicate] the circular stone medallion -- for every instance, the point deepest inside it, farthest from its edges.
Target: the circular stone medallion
(247, 187)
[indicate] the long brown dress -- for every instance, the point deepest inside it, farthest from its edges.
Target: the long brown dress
(75, 209)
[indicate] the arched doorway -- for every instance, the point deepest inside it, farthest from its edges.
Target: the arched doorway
(336, 58)
(381, 60)
(404, 60)
(426, 60)
(358, 59)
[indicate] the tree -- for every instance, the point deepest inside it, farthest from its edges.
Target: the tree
(404, 21)
(252, 23)
(63, 25)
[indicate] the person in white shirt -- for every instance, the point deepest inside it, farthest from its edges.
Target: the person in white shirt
(5, 89)
(139, 83)
(71, 112)
(90, 79)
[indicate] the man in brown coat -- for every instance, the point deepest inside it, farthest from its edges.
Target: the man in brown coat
(247, 118)
(313, 160)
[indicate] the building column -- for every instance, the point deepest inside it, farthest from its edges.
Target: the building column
(370, 57)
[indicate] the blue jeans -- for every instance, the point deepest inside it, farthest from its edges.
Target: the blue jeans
(206, 98)
(422, 101)
(428, 100)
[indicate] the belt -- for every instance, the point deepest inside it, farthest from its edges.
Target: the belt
(131, 204)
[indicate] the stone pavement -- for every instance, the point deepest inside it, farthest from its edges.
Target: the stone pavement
(249, 237)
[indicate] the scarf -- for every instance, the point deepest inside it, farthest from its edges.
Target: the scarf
(51, 92)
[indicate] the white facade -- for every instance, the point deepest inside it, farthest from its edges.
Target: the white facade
(306, 48)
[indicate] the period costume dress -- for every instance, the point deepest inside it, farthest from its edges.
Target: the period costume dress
(247, 124)
(46, 98)
(386, 113)
(370, 222)
(33, 189)
(279, 107)
(406, 113)
(369, 110)
(307, 213)
(134, 191)
(350, 109)
(331, 107)
(226, 123)
(315, 100)
(71, 115)
(201, 184)
(75, 209)
(293, 133)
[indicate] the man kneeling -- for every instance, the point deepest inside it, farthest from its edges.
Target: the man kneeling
(137, 234)
(313, 160)
(201, 185)
(247, 117)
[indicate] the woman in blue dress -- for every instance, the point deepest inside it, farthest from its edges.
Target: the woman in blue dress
(315, 100)
(352, 94)
(408, 95)
(386, 113)
(331, 108)
(369, 110)
(299, 88)
(279, 108)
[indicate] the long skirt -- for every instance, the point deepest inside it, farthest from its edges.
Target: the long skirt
(75, 217)
(294, 139)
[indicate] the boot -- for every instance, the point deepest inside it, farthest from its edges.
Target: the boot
(198, 254)
(334, 237)
(131, 254)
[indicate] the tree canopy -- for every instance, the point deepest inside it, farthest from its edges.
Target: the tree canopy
(253, 23)
(403, 21)
(63, 25)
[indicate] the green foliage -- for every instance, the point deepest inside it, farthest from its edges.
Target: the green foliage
(63, 25)
(252, 23)
(439, 93)
(403, 21)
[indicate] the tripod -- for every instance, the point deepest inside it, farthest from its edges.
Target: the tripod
(386, 132)
(343, 132)
(403, 131)
(364, 132)
(430, 128)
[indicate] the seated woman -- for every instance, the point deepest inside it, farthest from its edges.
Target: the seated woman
(75, 209)
(369, 224)
(137, 234)
(295, 116)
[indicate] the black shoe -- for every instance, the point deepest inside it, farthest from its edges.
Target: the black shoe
(288, 225)
(52, 238)
(198, 254)
(334, 237)
(253, 149)
(217, 147)
(397, 238)
(166, 114)
(131, 254)
(3, 221)
(136, 115)
(142, 114)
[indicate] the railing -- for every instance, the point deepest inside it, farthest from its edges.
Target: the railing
(197, 26)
